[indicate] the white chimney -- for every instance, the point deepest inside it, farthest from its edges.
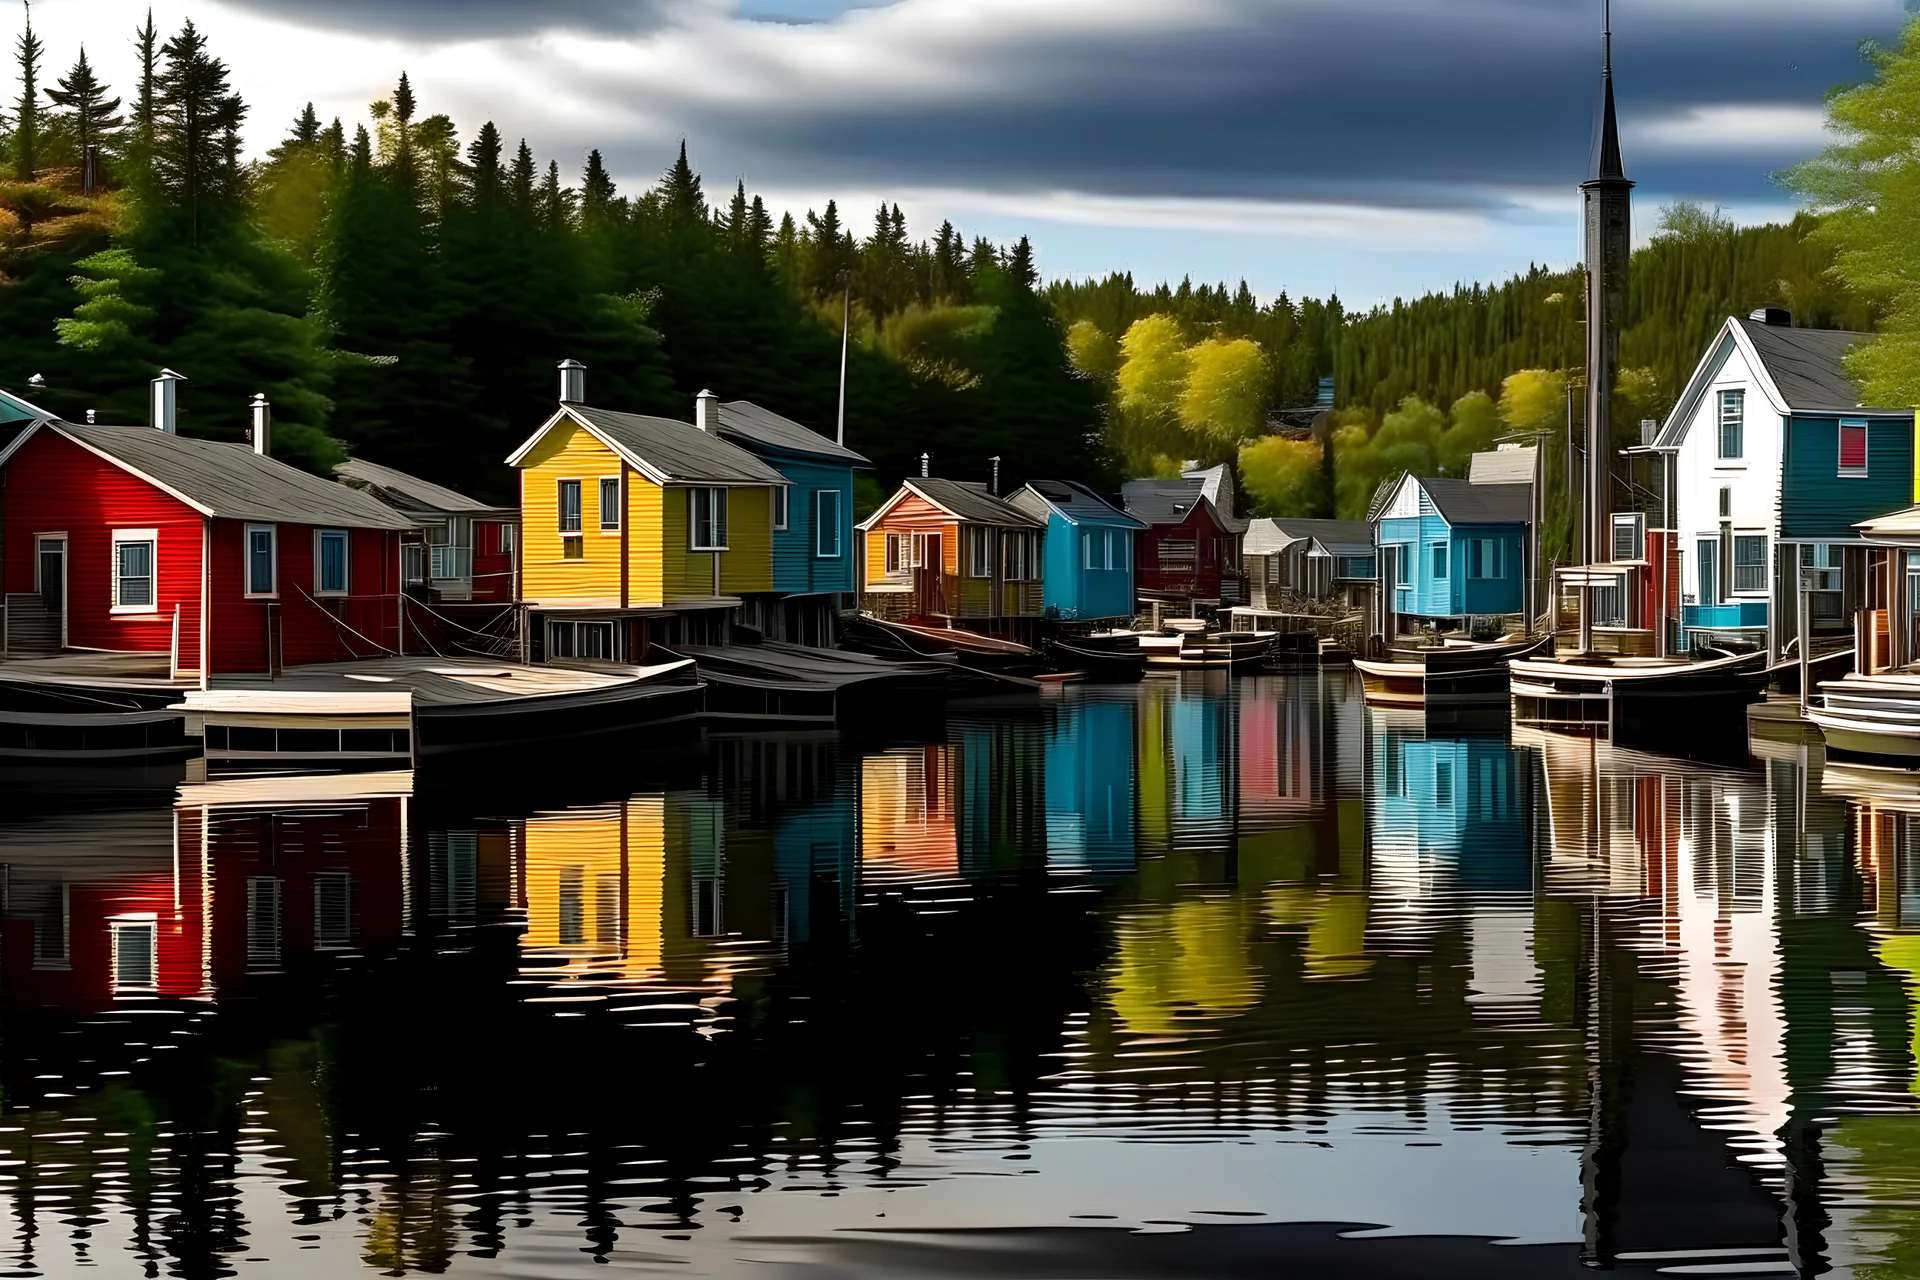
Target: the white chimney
(89, 416)
(573, 382)
(706, 412)
(262, 430)
(994, 488)
(926, 465)
(162, 404)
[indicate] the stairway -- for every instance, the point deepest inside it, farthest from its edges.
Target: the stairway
(30, 628)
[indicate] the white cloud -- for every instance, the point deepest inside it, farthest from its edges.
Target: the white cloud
(1716, 128)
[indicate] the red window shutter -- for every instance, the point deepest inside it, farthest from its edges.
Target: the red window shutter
(1853, 446)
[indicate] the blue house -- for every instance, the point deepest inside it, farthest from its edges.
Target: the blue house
(1774, 459)
(1091, 782)
(1451, 549)
(1087, 564)
(813, 545)
(1457, 805)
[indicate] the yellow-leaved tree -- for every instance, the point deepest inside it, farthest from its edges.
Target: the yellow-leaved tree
(1282, 476)
(1225, 397)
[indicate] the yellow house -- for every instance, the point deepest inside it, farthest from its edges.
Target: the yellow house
(637, 529)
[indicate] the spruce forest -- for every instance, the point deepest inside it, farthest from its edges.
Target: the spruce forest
(402, 287)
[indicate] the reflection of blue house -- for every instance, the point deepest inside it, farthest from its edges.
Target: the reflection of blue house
(1090, 785)
(813, 547)
(1452, 548)
(816, 853)
(1463, 800)
(1087, 564)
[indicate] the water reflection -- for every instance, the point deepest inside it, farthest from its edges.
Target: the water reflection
(1200, 951)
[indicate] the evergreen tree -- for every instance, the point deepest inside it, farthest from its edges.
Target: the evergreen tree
(597, 193)
(681, 200)
(520, 181)
(146, 43)
(26, 116)
(88, 118)
(196, 129)
(1020, 268)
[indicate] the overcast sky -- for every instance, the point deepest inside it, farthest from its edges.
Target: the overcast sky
(1369, 147)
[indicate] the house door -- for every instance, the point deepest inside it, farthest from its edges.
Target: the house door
(52, 571)
(929, 598)
(1709, 593)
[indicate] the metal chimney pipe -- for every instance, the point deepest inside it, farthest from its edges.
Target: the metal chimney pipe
(573, 382)
(89, 416)
(262, 429)
(926, 465)
(163, 403)
(994, 487)
(706, 412)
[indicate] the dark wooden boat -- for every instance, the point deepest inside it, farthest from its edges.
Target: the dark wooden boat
(1828, 666)
(989, 664)
(1106, 662)
(1655, 702)
(774, 683)
(1448, 676)
(90, 720)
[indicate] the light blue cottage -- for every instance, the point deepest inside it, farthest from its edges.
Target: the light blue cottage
(1450, 549)
(1088, 563)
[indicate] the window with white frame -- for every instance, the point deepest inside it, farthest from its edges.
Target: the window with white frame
(609, 504)
(330, 562)
(1726, 502)
(332, 910)
(262, 560)
(1018, 554)
(1750, 563)
(1733, 425)
(979, 565)
(896, 557)
(826, 522)
(1853, 446)
(707, 519)
(1629, 536)
(1439, 561)
(1093, 543)
(509, 538)
(136, 962)
(569, 507)
(133, 570)
(780, 508)
(263, 922)
(568, 639)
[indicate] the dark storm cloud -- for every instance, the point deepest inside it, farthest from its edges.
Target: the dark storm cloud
(448, 20)
(1373, 101)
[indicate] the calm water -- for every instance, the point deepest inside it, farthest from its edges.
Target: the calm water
(1191, 979)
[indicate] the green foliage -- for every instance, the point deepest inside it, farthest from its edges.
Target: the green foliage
(1868, 182)
(1094, 351)
(1473, 426)
(1283, 476)
(1226, 392)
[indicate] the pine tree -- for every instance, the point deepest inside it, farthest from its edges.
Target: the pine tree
(521, 180)
(597, 192)
(196, 131)
(556, 202)
(146, 43)
(682, 202)
(1020, 268)
(26, 116)
(88, 117)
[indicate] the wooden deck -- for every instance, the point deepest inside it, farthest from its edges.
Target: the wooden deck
(404, 682)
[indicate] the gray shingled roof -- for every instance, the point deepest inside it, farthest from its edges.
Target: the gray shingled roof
(1075, 501)
(679, 451)
(1339, 537)
(408, 493)
(233, 482)
(969, 500)
(1170, 501)
(1504, 466)
(1805, 364)
(745, 420)
(1463, 502)
(1265, 537)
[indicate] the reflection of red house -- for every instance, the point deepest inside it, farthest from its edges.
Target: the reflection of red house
(106, 907)
(133, 539)
(1191, 549)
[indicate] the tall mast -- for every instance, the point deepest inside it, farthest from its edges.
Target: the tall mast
(1607, 208)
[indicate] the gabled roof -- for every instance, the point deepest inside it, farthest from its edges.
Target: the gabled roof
(1903, 525)
(965, 500)
(746, 421)
(1336, 537)
(14, 409)
(1517, 465)
(1075, 502)
(662, 450)
(225, 480)
(1464, 502)
(408, 493)
(1265, 538)
(1800, 371)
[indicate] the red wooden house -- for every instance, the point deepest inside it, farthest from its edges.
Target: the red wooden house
(1190, 552)
(210, 554)
(468, 556)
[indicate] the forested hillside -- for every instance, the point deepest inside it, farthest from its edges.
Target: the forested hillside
(404, 290)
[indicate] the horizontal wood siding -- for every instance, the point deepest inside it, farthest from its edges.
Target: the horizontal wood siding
(1818, 502)
(1489, 595)
(55, 486)
(796, 566)
(363, 624)
(492, 567)
(746, 566)
(1200, 581)
(646, 557)
(1425, 596)
(570, 453)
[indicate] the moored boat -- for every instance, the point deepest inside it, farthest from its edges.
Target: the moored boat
(1650, 701)
(1871, 719)
(77, 718)
(1098, 661)
(1461, 674)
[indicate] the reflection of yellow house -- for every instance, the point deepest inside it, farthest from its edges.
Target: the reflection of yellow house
(907, 827)
(1191, 956)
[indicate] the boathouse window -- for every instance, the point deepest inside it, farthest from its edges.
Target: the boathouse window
(979, 565)
(330, 562)
(332, 910)
(569, 507)
(1750, 564)
(1486, 558)
(1629, 536)
(707, 519)
(133, 570)
(1733, 424)
(1439, 560)
(509, 536)
(610, 504)
(263, 922)
(894, 542)
(1853, 446)
(135, 966)
(1017, 559)
(262, 578)
(780, 508)
(1119, 546)
(826, 521)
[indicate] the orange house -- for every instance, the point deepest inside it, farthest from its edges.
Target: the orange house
(950, 551)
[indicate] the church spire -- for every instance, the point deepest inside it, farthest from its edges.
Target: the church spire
(1605, 164)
